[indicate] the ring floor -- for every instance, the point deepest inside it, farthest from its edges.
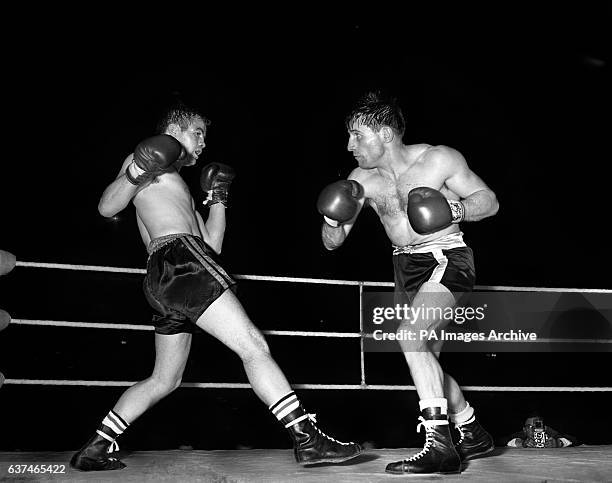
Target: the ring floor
(583, 463)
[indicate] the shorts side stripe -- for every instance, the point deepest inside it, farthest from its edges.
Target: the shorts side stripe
(211, 266)
(438, 272)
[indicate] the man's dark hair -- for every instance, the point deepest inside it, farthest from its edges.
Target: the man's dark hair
(180, 114)
(375, 110)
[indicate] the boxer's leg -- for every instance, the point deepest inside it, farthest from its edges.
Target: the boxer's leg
(171, 353)
(438, 454)
(474, 440)
(226, 320)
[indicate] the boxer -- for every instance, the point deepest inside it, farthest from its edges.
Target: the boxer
(187, 286)
(421, 193)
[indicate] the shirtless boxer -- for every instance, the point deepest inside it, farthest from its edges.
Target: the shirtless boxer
(420, 193)
(187, 286)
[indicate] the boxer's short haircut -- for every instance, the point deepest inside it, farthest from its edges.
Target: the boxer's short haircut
(180, 114)
(375, 110)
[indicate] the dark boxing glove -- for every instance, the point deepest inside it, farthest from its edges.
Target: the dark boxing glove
(152, 157)
(215, 181)
(5, 319)
(7, 262)
(429, 211)
(339, 201)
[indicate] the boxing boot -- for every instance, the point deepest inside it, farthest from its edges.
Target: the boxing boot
(438, 454)
(311, 445)
(95, 456)
(473, 440)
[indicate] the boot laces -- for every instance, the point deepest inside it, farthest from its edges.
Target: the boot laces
(461, 435)
(460, 429)
(313, 418)
(114, 446)
(429, 440)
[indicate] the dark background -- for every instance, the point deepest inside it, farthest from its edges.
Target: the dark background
(522, 92)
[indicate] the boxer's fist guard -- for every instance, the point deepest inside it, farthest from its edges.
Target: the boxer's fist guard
(5, 319)
(152, 157)
(339, 201)
(7, 262)
(429, 211)
(215, 181)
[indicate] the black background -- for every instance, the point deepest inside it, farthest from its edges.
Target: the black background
(522, 92)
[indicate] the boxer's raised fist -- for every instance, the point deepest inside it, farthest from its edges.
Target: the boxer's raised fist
(215, 181)
(152, 157)
(339, 201)
(429, 211)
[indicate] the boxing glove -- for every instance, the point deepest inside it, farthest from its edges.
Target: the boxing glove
(7, 262)
(152, 157)
(215, 181)
(339, 201)
(5, 319)
(429, 211)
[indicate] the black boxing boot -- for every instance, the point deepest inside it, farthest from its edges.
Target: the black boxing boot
(438, 454)
(473, 439)
(310, 444)
(95, 455)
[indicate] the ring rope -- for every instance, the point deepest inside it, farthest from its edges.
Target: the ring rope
(106, 325)
(296, 333)
(100, 268)
(375, 387)
(360, 335)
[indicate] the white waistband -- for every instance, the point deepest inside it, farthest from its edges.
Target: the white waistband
(446, 242)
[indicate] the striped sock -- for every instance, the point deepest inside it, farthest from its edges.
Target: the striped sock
(465, 416)
(288, 410)
(111, 428)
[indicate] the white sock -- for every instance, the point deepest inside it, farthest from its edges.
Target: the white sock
(466, 415)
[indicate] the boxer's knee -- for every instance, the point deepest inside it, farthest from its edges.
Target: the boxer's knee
(412, 347)
(163, 385)
(409, 338)
(254, 347)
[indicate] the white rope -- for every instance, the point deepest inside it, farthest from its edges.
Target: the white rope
(296, 333)
(88, 325)
(375, 387)
(101, 325)
(293, 333)
(98, 268)
(89, 268)
(302, 333)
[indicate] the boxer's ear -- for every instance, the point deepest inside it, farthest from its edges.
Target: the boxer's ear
(173, 129)
(386, 133)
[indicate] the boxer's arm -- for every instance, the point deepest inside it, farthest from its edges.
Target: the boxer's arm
(213, 231)
(334, 237)
(118, 194)
(477, 198)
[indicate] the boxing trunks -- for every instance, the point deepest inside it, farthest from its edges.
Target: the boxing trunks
(183, 278)
(446, 260)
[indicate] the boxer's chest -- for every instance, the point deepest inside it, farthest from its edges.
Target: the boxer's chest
(390, 197)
